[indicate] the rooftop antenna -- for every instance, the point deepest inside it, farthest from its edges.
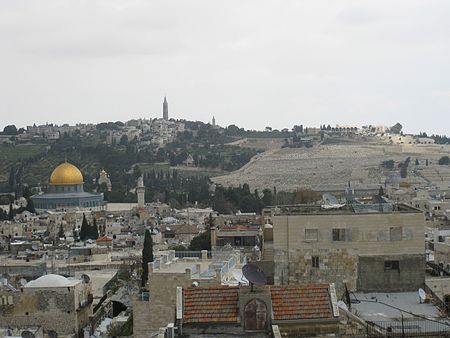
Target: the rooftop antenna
(254, 275)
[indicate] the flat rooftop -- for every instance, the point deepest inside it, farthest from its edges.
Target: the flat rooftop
(378, 306)
(356, 209)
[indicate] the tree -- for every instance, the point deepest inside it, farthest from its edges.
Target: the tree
(61, 231)
(10, 130)
(380, 191)
(84, 231)
(396, 129)
(201, 242)
(124, 140)
(94, 230)
(210, 222)
(75, 233)
(444, 160)
(147, 256)
(389, 164)
(11, 212)
(417, 162)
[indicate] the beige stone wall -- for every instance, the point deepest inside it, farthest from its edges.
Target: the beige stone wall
(442, 253)
(53, 309)
(368, 234)
(160, 310)
(440, 286)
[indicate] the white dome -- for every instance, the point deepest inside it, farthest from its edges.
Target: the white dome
(51, 281)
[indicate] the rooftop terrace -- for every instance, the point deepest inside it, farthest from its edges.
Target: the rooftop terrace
(311, 209)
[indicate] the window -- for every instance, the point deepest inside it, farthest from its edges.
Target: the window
(391, 265)
(395, 233)
(315, 261)
(340, 235)
(311, 234)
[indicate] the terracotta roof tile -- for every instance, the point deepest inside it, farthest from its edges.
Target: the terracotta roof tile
(302, 301)
(210, 304)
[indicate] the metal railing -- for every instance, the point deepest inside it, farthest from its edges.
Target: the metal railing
(408, 328)
(190, 254)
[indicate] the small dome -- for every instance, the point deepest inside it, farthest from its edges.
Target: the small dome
(66, 173)
(49, 281)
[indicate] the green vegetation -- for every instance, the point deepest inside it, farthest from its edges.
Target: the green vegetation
(404, 167)
(88, 231)
(444, 160)
(147, 256)
(389, 164)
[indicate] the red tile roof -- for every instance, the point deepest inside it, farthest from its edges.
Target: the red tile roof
(301, 301)
(210, 304)
(104, 239)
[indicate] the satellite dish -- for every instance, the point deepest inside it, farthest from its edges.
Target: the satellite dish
(86, 279)
(342, 305)
(422, 294)
(254, 275)
(237, 274)
(27, 334)
(23, 281)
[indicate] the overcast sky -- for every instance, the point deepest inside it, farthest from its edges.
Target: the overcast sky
(252, 63)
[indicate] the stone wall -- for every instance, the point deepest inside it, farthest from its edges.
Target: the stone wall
(54, 309)
(374, 277)
(27, 270)
(160, 310)
(384, 235)
(440, 286)
(442, 253)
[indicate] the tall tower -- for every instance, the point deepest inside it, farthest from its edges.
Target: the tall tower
(214, 121)
(140, 190)
(165, 109)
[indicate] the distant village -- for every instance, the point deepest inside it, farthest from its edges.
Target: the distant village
(347, 263)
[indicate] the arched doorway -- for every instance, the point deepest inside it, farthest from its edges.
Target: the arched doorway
(255, 315)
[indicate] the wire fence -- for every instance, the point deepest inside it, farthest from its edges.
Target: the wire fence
(408, 328)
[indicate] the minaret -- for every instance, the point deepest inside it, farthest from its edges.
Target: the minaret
(165, 109)
(214, 121)
(140, 190)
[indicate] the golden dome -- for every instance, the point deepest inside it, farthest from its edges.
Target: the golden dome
(66, 173)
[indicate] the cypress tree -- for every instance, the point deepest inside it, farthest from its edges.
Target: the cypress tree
(84, 231)
(94, 230)
(147, 256)
(61, 231)
(11, 212)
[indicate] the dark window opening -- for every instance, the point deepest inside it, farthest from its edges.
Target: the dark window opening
(392, 265)
(315, 261)
(339, 235)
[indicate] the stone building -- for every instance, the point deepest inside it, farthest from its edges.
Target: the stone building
(298, 310)
(168, 272)
(362, 248)
(140, 191)
(104, 179)
(59, 305)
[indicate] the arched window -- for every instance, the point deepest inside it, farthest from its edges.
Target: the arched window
(255, 315)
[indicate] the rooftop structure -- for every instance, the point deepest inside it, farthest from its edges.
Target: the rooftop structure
(371, 250)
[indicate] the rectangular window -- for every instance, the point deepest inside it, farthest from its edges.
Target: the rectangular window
(315, 261)
(395, 233)
(340, 235)
(311, 234)
(392, 265)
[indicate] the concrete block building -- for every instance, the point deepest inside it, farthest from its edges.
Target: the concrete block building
(366, 249)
